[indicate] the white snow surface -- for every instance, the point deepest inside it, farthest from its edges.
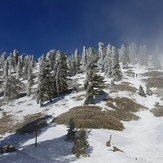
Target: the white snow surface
(141, 141)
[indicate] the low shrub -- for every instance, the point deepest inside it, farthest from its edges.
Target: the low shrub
(90, 117)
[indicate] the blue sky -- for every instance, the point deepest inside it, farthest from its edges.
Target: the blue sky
(37, 26)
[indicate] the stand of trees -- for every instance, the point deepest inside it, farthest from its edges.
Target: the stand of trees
(55, 68)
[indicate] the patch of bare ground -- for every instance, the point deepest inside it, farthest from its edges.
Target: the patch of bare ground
(152, 73)
(124, 86)
(90, 117)
(28, 125)
(159, 92)
(157, 111)
(6, 124)
(31, 123)
(2, 102)
(156, 81)
(124, 108)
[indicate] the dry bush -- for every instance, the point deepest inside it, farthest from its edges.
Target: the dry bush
(157, 111)
(124, 108)
(90, 117)
(28, 125)
(152, 73)
(154, 81)
(123, 115)
(124, 86)
(124, 103)
(159, 92)
(6, 123)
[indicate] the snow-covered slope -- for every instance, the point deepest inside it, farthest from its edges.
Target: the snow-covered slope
(141, 141)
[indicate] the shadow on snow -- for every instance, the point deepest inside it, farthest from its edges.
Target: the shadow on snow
(51, 151)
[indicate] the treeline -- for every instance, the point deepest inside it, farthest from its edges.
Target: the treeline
(20, 72)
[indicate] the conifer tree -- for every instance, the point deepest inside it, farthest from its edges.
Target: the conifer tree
(18, 70)
(71, 131)
(2, 59)
(11, 63)
(80, 144)
(141, 91)
(50, 57)
(26, 66)
(29, 80)
(61, 72)
(108, 62)
(124, 56)
(5, 68)
(116, 72)
(102, 54)
(84, 57)
(94, 81)
(11, 88)
(45, 88)
(76, 61)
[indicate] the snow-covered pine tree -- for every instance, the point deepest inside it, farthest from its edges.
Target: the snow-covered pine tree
(50, 57)
(45, 88)
(108, 62)
(16, 57)
(73, 63)
(5, 68)
(11, 63)
(22, 60)
(18, 69)
(81, 144)
(2, 59)
(33, 62)
(84, 57)
(124, 57)
(30, 81)
(61, 72)
(26, 66)
(77, 61)
(116, 72)
(94, 81)
(101, 54)
(71, 66)
(11, 88)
